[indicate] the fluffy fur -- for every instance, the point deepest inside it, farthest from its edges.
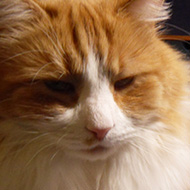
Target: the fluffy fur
(116, 73)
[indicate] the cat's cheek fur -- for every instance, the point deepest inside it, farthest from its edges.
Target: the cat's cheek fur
(96, 108)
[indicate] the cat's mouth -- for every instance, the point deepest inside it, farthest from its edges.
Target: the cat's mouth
(98, 149)
(98, 152)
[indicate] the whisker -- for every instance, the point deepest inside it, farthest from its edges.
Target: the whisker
(54, 155)
(60, 139)
(34, 116)
(52, 41)
(142, 150)
(31, 141)
(187, 42)
(61, 76)
(6, 100)
(57, 40)
(43, 67)
(36, 138)
(178, 28)
(24, 53)
(38, 152)
(32, 132)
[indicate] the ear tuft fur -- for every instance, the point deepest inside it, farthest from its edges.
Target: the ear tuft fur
(15, 16)
(145, 10)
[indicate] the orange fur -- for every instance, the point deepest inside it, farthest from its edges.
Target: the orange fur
(51, 40)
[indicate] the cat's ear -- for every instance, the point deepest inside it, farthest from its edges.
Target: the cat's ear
(145, 10)
(15, 15)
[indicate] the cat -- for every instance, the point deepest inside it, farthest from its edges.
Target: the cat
(91, 97)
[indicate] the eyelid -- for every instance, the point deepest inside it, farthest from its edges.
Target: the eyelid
(60, 86)
(124, 83)
(122, 76)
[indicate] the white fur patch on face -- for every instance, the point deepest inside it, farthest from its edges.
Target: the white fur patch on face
(97, 98)
(98, 108)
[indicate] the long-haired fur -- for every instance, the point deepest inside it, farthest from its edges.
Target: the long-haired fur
(68, 66)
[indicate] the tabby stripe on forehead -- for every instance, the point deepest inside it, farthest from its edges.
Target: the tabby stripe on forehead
(92, 25)
(109, 33)
(94, 29)
(104, 23)
(74, 33)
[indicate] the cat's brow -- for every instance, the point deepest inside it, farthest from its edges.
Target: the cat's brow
(25, 53)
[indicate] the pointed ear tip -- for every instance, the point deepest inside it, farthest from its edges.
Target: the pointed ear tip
(146, 10)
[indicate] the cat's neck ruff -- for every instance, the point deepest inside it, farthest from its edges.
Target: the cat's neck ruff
(134, 169)
(159, 162)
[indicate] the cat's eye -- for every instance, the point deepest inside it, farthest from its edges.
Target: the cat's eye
(123, 83)
(60, 86)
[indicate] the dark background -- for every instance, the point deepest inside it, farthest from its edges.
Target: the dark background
(179, 24)
(180, 17)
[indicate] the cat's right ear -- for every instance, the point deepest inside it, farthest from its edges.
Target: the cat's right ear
(144, 10)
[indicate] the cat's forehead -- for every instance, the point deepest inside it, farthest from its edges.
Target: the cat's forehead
(85, 29)
(74, 33)
(82, 33)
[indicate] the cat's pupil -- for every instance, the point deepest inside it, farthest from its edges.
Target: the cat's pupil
(123, 83)
(60, 86)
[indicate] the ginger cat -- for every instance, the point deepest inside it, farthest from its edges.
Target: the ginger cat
(91, 98)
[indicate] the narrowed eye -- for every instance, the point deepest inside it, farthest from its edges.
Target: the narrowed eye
(123, 83)
(60, 86)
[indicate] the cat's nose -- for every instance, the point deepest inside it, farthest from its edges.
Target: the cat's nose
(99, 133)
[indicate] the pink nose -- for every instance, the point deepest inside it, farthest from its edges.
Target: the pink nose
(99, 133)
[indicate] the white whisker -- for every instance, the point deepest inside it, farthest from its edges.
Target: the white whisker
(54, 155)
(38, 152)
(61, 76)
(178, 28)
(60, 139)
(53, 43)
(32, 141)
(43, 67)
(24, 53)
(57, 40)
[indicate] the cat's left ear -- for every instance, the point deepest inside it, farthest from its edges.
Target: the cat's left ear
(145, 10)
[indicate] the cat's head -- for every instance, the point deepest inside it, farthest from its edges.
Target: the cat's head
(94, 75)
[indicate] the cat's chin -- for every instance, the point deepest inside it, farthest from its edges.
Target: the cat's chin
(93, 154)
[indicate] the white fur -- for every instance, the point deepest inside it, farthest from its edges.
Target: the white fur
(151, 163)
(97, 100)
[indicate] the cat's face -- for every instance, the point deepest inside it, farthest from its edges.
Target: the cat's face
(91, 76)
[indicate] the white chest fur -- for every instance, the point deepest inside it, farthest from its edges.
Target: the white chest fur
(150, 166)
